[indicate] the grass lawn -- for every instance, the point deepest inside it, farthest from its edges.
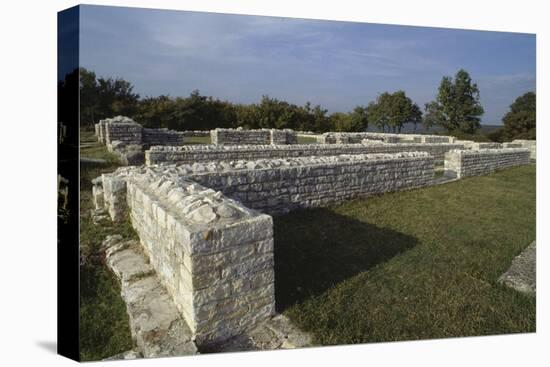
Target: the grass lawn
(307, 140)
(104, 328)
(411, 265)
(197, 140)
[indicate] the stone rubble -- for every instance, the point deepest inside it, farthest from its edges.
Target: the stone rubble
(522, 274)
(155, 323)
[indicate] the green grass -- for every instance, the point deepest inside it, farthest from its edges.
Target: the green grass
(307, 140)
(104, 328)
(197, 140)
(410, 265)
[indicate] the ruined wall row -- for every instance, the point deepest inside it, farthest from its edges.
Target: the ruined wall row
(207, 153)
(463, 163)
(252, 137)
(280, 186)
(529, 144)
(357, 137)
(213, 255)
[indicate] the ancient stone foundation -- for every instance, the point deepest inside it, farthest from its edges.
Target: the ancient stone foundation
(478, 146)
(529, 144)
(207, 153)
(202, 213)
(358, 137)
(463, 163)
(277, 186)
(252, 137)
(213, 255)
(127, 139)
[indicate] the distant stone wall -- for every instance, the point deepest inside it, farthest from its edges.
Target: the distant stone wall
(124, 130)
(127, 139)
(213, 255)
(512, 145)
(478, 146)
(463, 163)
(206, 153)
(252, 137)
(358, 137)
(162, 137)
(529, 144)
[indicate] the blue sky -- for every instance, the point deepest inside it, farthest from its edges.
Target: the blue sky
(336, 64)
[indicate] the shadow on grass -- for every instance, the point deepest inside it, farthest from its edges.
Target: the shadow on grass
(316, 249)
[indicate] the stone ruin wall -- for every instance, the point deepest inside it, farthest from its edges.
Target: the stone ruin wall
(463, 163)
(277, 186)
(252, 137)
(214, 254)
(206, 153)
(214, 251)
(127, 139)
(153, 137)
(128, 133)
(201, 222)
(529, 144)
(358, 137)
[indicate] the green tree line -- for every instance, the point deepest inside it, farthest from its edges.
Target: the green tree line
(456, 109)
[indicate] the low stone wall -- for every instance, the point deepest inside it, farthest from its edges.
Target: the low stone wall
(213, 255)
(128, 140)
(512, 145)
(463, 163)
(276, 186)
(126, 131)
(529, 144)
(252, 137)
(162, 137)
(478, 146)
(358, 137)
(207, 153)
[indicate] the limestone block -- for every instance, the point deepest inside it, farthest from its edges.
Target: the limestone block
(155, 323)
(462, 163)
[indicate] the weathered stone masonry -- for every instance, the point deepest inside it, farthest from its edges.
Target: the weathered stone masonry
(358, 137)
(529, 144)
(281, 185)
(198, 209)
(213, 254)
(128, 139)
(207, 153)
(463, 163)
(252, 137)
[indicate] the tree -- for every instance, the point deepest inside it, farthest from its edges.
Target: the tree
(520, 122)
(358, 119)
(416, 116)
(101, 98)
(393, 111)
(457, 106)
